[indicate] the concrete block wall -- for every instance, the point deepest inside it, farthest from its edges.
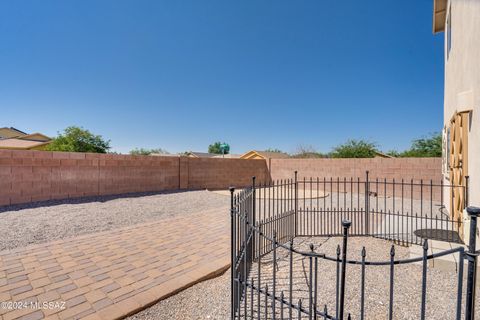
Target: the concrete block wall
(425, 170)
(217, 173)
(29, 176)
(398, 168)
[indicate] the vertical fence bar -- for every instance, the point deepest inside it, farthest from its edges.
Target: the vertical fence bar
(290, 285)
(245, 259)
(367, 204)
(421, 197)
(299, 309)
(362, 286)
(346, 225)
(266, 301)
(253, 223)
(316, 290)
(460, 284)
(239, 294)
(251, 298)
(304, 195)
(310, 287)
(296, 206)
(473, 212)
(390, 305)
(337, 291)
(259, 265)
(411, 211)
(232, 257)
(431, 198)
(274, 273)
(424, 279)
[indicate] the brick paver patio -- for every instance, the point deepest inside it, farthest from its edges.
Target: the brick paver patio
(112, 274)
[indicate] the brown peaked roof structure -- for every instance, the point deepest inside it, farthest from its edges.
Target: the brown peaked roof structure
(12, 138)
(255, 154)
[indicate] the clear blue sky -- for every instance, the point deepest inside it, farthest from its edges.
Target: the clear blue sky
(256, 74)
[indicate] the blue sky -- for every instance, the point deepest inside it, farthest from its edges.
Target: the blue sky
(256, 74)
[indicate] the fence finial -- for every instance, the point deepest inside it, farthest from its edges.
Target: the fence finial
(392, 251)
(473, 211)
(471, 255)
(425, 244)
(346, 223)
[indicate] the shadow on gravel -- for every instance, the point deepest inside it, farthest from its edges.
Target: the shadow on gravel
(80, 200)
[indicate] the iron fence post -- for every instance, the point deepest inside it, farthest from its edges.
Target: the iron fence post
(254, 218)
(471, 255)
(367, 203)
(296, 202)
(232, 249)
(346, 225)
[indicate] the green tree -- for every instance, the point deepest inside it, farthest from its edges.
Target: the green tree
(219, 148)
(307, 152)
(425, 147)
(77, 139)
(147, 152)
(355, 149)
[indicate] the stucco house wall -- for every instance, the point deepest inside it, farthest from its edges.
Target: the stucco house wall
(462, 81)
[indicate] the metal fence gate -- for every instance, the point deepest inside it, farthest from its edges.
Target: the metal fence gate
(267, 217)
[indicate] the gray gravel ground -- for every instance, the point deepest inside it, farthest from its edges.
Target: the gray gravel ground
(441, 285)
(206, 300)
(23, 225)
(211, 299)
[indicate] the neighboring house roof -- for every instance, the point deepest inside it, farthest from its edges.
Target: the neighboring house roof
(165, 155)
(382, 155)
(200, 154)
(10, 132)
(255, 154)
(15, 143)
(35, 137)
(439, 15)
(12, 138)
(228, 156)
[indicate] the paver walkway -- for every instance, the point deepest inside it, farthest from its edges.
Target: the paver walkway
(112, 274)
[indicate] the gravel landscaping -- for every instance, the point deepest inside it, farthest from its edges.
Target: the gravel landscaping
(211, 299)
(206, 300)
(441, 285)
(23, 225)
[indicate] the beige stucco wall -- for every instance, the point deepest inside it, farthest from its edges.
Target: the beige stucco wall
(462, 80)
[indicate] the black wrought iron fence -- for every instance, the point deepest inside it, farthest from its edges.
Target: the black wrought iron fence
(390, 209)
(268, 218)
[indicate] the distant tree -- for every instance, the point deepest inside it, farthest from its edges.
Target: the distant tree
(304, 152)
(77, 139)
(274, 150)
(425, 147)
(355, 149)
(219, 148)
(147, 152)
